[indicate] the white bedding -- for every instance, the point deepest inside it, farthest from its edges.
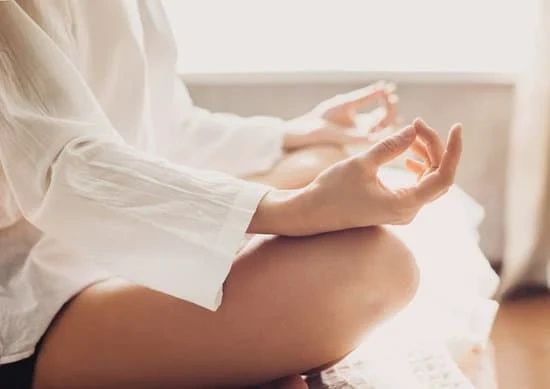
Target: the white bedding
(452, 309)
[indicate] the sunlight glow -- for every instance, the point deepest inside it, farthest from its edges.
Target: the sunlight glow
(391, 35)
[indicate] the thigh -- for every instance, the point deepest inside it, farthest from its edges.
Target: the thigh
(289, 305)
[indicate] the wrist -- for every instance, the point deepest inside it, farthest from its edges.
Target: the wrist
(278, 213)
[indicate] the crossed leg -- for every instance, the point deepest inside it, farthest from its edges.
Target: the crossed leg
(290, 305)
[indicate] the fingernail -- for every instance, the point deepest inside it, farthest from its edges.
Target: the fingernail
(419, 121)
(390, 87)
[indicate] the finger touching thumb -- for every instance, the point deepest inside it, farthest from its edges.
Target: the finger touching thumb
(391, 147)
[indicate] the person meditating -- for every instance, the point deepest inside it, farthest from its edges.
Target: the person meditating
(124, 211)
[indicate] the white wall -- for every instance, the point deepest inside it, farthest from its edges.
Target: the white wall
(483, 107)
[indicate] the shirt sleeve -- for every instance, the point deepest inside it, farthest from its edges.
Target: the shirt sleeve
(170, 228)
(225, 142)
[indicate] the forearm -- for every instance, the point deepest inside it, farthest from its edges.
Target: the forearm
(240, 146)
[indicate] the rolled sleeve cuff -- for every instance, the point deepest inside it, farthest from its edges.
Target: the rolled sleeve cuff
(230, 240)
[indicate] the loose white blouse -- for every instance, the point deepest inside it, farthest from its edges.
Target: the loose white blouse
(106, 166)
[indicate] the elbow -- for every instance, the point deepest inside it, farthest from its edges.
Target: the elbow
(38, 181)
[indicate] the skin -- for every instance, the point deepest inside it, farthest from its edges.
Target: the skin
(349, 194)
(300, 167)
(292, 303)
(336, 121)
(276, 319)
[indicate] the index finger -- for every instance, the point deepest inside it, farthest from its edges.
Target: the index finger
(435, 183)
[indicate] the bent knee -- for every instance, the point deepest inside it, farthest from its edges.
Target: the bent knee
(374, 276)
(385, 268)
(315, 159)
(305, 164)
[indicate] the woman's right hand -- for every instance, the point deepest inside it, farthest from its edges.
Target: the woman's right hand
(349, 194)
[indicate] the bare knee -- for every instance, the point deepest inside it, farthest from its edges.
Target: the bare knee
(386, 269)
(376, 276)
(298, 168)
(320, 156)
(309, 162)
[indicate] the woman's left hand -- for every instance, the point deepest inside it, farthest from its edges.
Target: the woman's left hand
(334, 121)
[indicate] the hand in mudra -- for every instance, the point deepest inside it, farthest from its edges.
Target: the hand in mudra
(343, 110)
(350, 194)
(337, 120)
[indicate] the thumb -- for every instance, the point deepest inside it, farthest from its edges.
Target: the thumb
(391, 147)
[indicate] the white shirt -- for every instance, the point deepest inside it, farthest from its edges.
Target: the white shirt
(102, 156)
